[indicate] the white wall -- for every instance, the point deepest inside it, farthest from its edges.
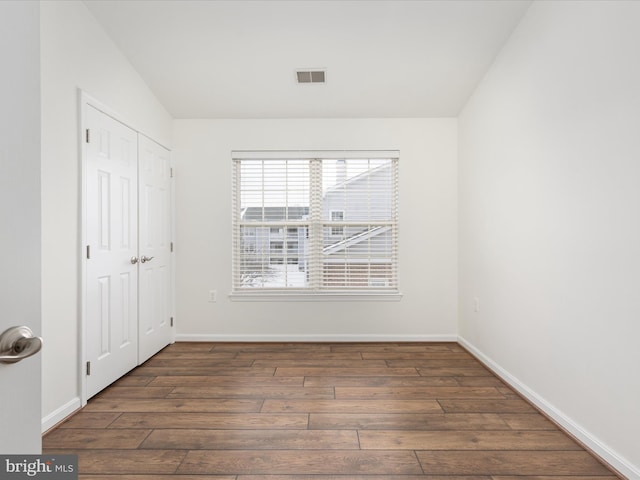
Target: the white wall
(549, 227)
(428, 235)
(75, 53)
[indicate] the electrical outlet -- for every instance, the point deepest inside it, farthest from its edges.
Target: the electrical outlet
(476, 304)
(213, 295)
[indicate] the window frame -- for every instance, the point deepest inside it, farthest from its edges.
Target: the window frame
(316, 227)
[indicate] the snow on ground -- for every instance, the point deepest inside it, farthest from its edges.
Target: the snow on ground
(285, 276)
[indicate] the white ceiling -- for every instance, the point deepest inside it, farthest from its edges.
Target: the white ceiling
(237, 59)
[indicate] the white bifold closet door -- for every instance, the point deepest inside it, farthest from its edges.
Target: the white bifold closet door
(127, 228)
(154, 273)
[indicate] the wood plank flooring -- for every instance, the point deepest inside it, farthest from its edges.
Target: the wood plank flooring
(200, 411)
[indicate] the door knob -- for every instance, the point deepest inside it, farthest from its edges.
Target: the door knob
(17, 343)
(145, 259)
(134, 260)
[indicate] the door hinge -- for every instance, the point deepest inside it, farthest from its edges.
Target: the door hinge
(88, 368)
(88, 251)
(87, 135)
(171, 172)
(172, 321)
(171, 246)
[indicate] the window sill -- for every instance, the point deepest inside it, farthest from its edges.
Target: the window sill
(315, 297)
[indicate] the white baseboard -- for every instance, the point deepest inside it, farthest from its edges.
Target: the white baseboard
(200, 337)
(607, 454)
(60, 414)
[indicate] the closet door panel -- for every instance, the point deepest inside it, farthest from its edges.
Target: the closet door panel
(155, 330)
(111, 224)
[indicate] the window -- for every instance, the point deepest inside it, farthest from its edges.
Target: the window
(337, 216)
(315, 222)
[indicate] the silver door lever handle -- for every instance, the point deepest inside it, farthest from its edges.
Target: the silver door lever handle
(144, 259)
(17, 343)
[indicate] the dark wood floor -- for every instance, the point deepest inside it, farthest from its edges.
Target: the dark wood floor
(368, 411)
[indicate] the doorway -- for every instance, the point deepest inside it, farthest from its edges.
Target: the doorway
(126, 265)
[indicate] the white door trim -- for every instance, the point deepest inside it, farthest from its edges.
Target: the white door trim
(85, 100)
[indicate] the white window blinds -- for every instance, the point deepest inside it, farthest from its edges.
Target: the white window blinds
(315, 222)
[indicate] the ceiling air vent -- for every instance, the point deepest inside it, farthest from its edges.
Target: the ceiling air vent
(310, 76)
